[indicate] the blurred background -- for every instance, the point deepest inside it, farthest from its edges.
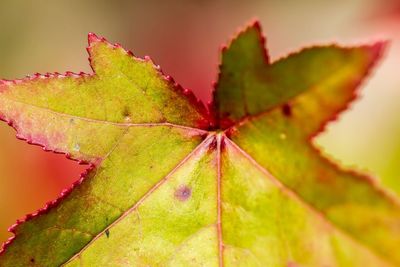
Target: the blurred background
(184, 37)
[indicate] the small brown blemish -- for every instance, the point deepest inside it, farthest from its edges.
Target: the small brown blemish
(32, 260)
(183, 193)
(287, 110)
(107, 233)
(126, 114)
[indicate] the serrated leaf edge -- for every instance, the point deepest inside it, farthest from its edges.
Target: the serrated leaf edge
(198, 104)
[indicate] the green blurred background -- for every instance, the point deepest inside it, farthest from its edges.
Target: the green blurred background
(184, 38)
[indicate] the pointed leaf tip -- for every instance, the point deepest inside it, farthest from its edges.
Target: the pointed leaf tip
(248, 47)
(92, 38)
(253, 25)
(379, 48)
(256, 24)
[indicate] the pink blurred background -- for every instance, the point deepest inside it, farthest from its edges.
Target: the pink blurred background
(184, 38)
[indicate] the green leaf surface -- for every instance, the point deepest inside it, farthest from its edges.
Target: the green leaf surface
(172, 184)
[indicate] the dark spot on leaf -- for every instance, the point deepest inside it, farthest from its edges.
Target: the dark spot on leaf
(287, 110)
(107, 233)
(32, 260)
(183, 193)
(126, 112)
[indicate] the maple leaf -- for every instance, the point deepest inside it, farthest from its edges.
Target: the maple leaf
(172, 184)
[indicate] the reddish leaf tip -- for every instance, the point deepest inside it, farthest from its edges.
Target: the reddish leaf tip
(378, 48)
(381, 44)
(255, 23)
(92, 38)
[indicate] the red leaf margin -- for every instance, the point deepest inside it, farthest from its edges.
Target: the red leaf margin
(206, 124)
